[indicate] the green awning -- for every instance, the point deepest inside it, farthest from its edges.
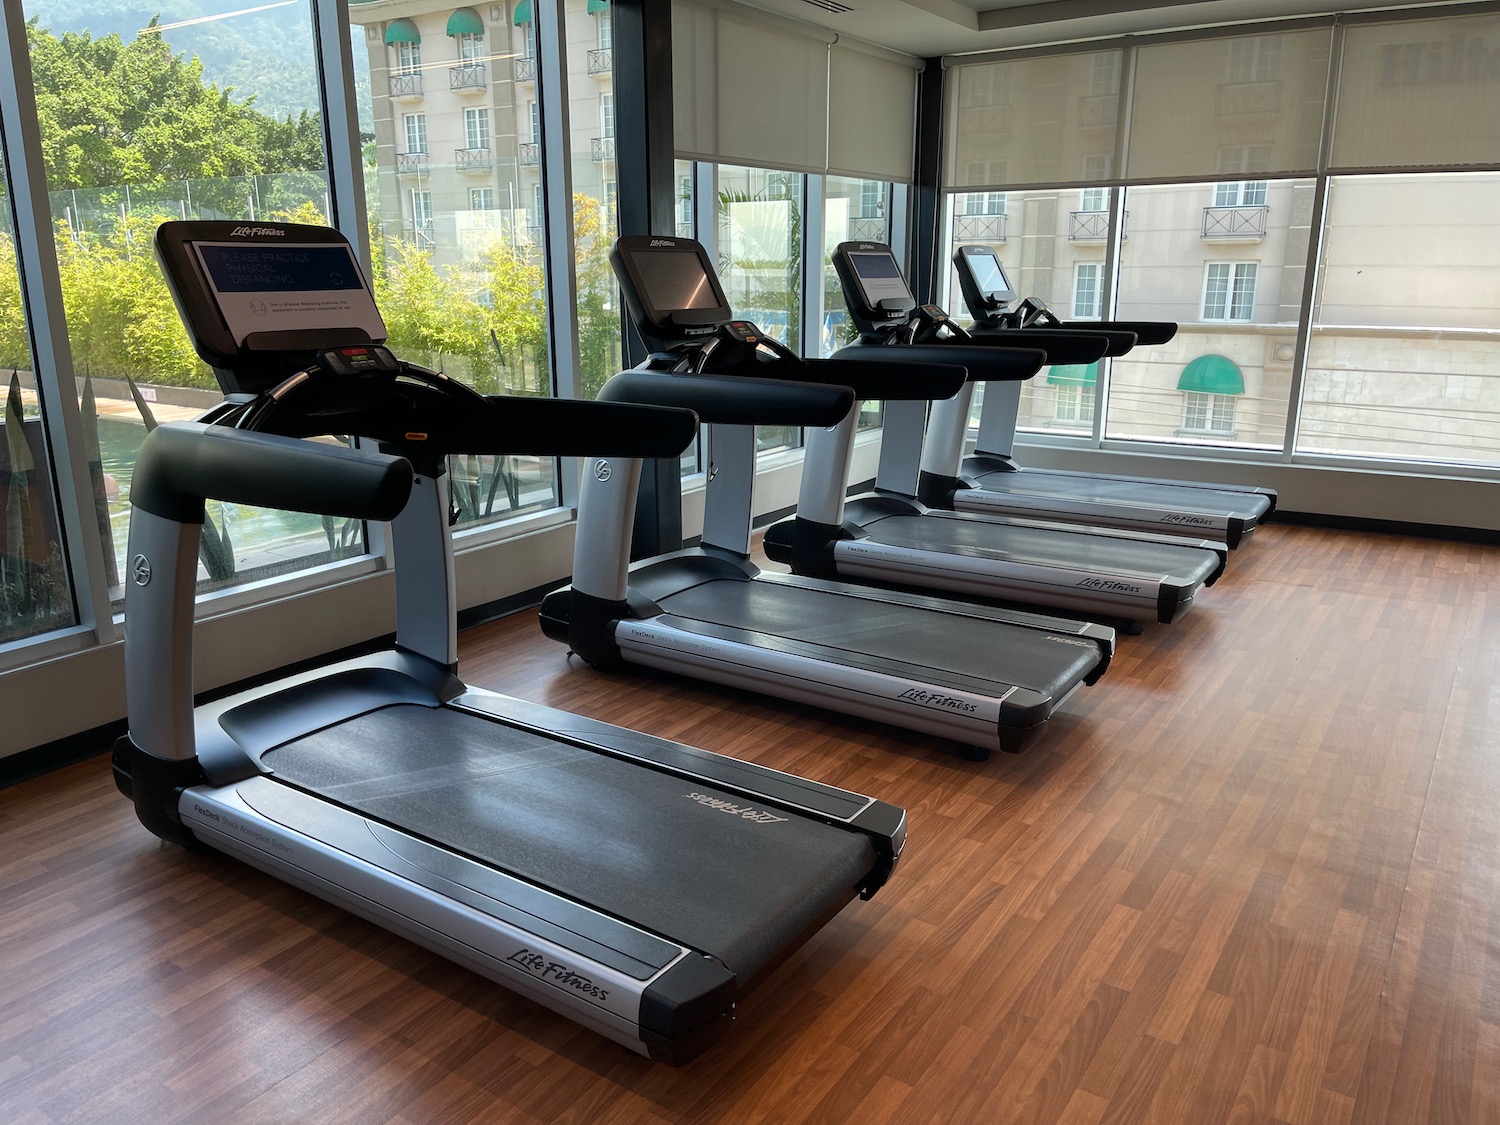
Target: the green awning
(465, 21)
(1212, 375)
(1073, 374)
(402, 31)
(523, 13)
(598, 6)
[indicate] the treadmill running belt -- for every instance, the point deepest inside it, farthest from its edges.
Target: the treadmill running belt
(1178, 498)
(973, 651)
(624, 839)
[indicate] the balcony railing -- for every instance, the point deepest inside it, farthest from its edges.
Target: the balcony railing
(473, 159)
(602, 149)
(979, 228)
(1248, 97)
(1234, 222)
(867, 229)
(1099, 109)
(601, 61)
(984, 119)
(526, 71)
(1088, 226)
(468, 78)
(411, 163)
(420, 232)
(531, 154)
(406, 85)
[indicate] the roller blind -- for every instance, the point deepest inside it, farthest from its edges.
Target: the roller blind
(749, 89)
(872, 115)
(1422, 92)
(1243, 103)
(753, 89)
(1041, 120)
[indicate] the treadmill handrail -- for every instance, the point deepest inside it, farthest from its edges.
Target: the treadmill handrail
(733, 400)
(182, 464)
(984, 363)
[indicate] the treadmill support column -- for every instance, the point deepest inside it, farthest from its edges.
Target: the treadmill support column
(728, 500)
(424, 573)
(943, 449)
(997, 420)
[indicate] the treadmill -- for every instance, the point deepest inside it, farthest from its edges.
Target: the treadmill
(890, 536)
(981, 677)
(635, 885)
(992, 481)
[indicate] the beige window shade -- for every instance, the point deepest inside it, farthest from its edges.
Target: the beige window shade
(1419, 93)
(1045, 120)
(749, 89)
(871, 115)
(1195, 102)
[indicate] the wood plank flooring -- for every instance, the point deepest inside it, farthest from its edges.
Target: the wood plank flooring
(1253, 875)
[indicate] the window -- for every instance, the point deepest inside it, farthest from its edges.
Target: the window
(538, 202)
(984, 203)
(1254, 60)
(1075, 404)
(871, 199)
(416, 132)
(530, 36)
(1094, 199)
(1229, 291)
(421, 211)
(1104, 74)
(470, 48)
(1088, 290)
(606, 30)
(477, 128)
(607, 116)
(1240, 193)
(534, 112)
(611, 204)
(481, 199)
(408, 58)
(685, 205)
(1205, 413)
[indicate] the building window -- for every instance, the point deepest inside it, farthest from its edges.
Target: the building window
(606, 30)
(470, 48)
(421, 215)
(535, 115)
(1254, 60)
(871, 199)
(1094, 199)
(1204, 413)
(1229, 291)
(607, 116)
(1104, 74)
(1088, 290)
(408, 58)
(481, 199)
(416, 132)
(477, 128)
(536, 205)
(611, 202)
(685, 202)
(1240, 193)
(1075, 404)
(530, 35)
(983, 203)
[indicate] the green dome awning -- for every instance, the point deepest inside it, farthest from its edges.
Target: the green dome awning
(465, 21)
(598, 6)
(1212, 375)
(402, 31)
(523, 13)
(1073, 374)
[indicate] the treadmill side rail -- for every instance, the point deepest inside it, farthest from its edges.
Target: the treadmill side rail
(339, 856)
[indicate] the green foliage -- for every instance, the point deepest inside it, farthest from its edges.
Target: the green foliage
(112, 112)
(121, 320)
(15, 349)
(598, 312)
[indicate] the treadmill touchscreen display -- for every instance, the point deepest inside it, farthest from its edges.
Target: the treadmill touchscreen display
(989, 276)
(880, 278)
(674, 281)
(288, 287)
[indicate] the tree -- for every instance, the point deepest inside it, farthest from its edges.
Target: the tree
(599, 323)
(15, 349)
(114, 113)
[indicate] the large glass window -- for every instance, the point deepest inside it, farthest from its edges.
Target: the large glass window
(142, 121)
(34, 593)
(1404, 360)
(1231, 277)
(760, 260)
(456, 232)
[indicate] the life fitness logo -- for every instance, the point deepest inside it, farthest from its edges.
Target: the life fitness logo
(602, 471)
(663, 242)
(257, 232)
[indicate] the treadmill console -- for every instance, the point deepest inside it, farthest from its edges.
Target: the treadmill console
(670, 288)
(981, 278)
(261, 300)
(874, 288)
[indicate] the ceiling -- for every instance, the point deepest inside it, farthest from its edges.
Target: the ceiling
(944, 27)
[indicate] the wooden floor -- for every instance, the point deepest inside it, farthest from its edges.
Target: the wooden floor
(1253, 875)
